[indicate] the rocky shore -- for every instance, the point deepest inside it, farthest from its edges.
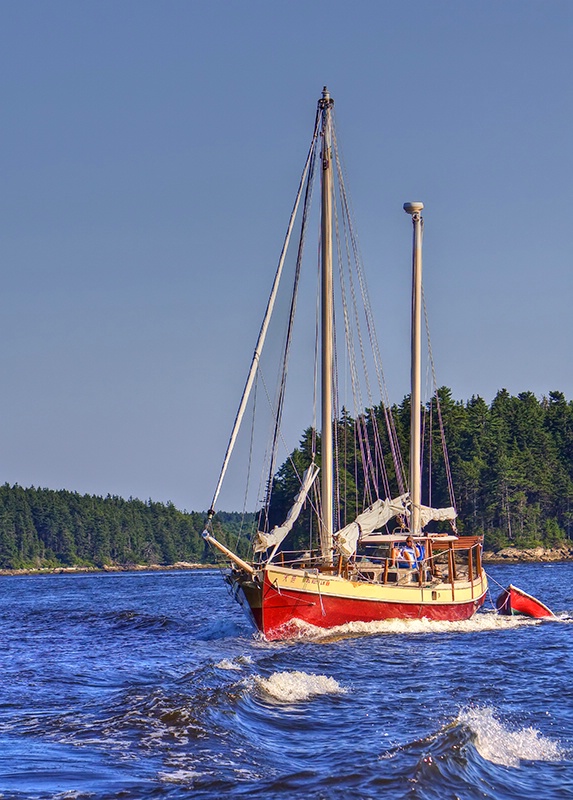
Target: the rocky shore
(108, 568)
(534, 554)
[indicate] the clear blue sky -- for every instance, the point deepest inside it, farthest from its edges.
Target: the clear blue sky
(150, 156)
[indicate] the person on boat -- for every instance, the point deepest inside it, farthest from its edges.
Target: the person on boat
(410, 553)
(394, 554)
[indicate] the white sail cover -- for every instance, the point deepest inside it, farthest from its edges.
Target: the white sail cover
(381, 512)
(375, 516)
(278, 533)
(428, 514)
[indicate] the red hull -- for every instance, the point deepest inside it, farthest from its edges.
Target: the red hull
(514, 601)
(275, 616)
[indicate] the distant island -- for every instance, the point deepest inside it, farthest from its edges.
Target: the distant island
(511, 463)
(44, 528)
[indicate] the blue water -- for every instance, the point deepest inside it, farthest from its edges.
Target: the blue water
(137, 685)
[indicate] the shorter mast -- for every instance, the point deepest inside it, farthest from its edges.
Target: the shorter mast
(416, 369)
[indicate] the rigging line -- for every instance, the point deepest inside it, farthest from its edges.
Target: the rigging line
(350, 234)
(355, 468)
(344, 423)
(316, 363)
(358, 328)
(334, 423)
(489, 578)
(281, 395)
(347, 322)
(367, 464)
(265, 323)
(438, 408)
(369, 467)
(379, 451)
(430, 442)
(390, 425)
(320, 593)
(336, 404)
(425, 414)
(249, 466)
(353, 377)
(370, 484)
(283, 442)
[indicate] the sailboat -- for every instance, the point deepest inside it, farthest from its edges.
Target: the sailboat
(384, 562)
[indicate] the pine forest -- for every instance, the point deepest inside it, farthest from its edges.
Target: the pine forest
(511, 465)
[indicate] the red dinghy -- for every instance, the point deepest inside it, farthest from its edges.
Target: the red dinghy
(515, 601)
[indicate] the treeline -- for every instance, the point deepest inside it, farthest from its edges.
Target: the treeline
(46, 528)
(511, 465)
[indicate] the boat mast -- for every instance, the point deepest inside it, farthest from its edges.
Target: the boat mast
(416, 369)
(325, 105)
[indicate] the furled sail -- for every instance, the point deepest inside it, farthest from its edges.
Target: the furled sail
(375, 516)
(381, 512)
(278, 533)
(428, 514)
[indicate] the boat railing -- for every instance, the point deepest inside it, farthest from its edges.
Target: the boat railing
(389, 570)
(299, 559)
(444, 562)
(461, 567)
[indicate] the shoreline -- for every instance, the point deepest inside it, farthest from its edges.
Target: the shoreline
(533, 555)
(178, 566)
(508, 555)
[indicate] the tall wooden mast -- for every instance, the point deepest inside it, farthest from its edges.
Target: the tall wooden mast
(325, 105)
(416, 368)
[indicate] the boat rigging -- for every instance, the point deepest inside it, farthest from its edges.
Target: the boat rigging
(363, 570)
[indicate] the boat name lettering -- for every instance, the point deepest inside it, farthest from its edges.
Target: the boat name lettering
(320, 581)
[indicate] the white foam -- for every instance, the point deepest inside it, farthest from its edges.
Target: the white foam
(498, 744)
(179, 776)
(69, 795)
(226, 663)
(478, 623)
(288, 687)
(235, 663)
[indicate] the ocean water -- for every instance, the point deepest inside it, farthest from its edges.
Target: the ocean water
(153, 685)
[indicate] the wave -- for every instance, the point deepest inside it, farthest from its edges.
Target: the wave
(148, 718)
(184, 776)
(295, 686)
(220, 629)
(234, 664)
(123, 619)
(136, 620)
(495, 742)
(477, 755)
